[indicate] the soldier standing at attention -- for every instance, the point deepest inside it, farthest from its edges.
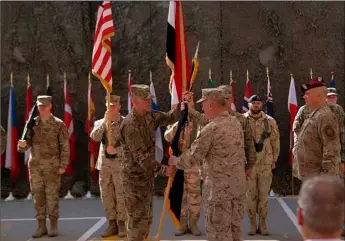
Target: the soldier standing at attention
(49, 158)
(219, 151)
(137, 134)
(191, 180)
(317, 143)
(3, 140)
(109, 165)
(265, 135)
(336, 109)
(248, 141)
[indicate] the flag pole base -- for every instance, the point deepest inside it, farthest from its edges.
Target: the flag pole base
(69, 195)
(29, 197)
(88, 195)
(10, 197)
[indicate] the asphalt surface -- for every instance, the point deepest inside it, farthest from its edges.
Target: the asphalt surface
(82, 220)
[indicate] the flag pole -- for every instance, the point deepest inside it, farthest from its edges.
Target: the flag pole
(88, 194)
(292, 181)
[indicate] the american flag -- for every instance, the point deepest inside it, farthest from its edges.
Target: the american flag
(101, 55)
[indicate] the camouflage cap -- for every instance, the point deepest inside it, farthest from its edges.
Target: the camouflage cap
(141, 91)
(227, 91)
(44, 100)
(332, 91)
(114, 100)
(212, 94)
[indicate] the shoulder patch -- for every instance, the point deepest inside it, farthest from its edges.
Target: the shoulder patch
(329, 131)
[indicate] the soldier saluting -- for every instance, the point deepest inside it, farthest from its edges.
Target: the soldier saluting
(48, 139)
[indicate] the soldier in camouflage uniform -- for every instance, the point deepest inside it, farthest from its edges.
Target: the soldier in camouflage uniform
(317, 143)
(3, 140)
(201, 119)
(49, 158)
(219, 151)
(337, 110)
(109, 164)
(137, 134)
(265, 135)
(191, 180)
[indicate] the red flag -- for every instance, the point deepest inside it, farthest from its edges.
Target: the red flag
(68, 120)
(101, 55)
(93, 145)
(12, 158)
(247, 94)
(293, 109)
(28, 107)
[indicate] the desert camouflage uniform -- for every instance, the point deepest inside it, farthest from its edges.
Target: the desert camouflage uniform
(137, 134)
(219, 151)
(260, 178)
(110, 177)
(250, 153)
(337, 110)
(49, 152)
(317, 143)
(191, 179)
(3, 140)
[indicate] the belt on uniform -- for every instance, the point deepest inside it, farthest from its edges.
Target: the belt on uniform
(110, 156)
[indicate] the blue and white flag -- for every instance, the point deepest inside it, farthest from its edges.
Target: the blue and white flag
(159, 143)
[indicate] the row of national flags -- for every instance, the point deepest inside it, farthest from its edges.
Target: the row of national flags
(10, 159)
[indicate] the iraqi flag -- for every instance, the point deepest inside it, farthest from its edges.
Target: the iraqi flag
(247, 94)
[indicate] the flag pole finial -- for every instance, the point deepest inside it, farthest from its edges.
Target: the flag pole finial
(332, 74)
(11, 78)
(267, 73)
(89, 77)
(150, 76)
(48, 83)
(197, 50)
(64, 76)
(28, 79)
(311, 73)
(230, 75)
(209, 73)
(247, 75)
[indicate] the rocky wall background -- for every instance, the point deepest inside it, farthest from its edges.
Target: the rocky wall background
(53, 37)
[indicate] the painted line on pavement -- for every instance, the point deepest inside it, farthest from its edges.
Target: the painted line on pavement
(289, 213)
(33, 219)
(93, 229)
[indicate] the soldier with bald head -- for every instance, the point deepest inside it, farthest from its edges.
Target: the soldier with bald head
(219, 152)
(109, 165)
(317, 143)
(49, 158)
(320, 208)
(137, 135)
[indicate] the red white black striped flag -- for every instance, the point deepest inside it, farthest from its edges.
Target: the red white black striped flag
(101, 55)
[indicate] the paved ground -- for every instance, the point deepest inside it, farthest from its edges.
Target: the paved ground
(82, 220)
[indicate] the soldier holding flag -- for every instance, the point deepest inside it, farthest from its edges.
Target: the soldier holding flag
(48, 139)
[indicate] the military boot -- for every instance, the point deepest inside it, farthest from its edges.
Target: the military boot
(183, 228)
(194, 227)
(262, 226)
(111, 230)
(252, 228)
(122, 229)
(53, 228)
(41, 230)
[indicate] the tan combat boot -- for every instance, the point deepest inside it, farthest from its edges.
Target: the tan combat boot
(252, 228)
(111, 230)
(194, 227)
(53, 232)
(262, 227)
(183, 228)
(122, 229)
(41, 230)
